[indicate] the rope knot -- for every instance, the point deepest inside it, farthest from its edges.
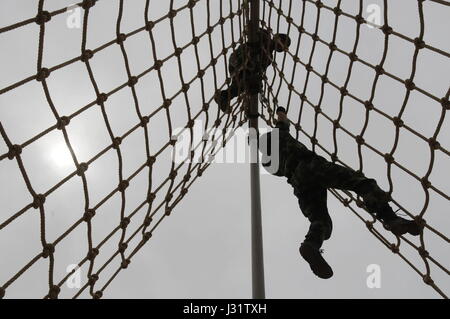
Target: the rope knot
(359, 139)
(353, 56)
(121, 38)
(82, 168)
(88, 215)
(86, 55)
(92, 279)
(158, 64)
(92, 254)
(98, 294)
(42, 74)
(151, 197)
(173, 174)
(151, 160)
(200, 73)
(185, 87)
(38, 201)
(149, 25)
(43, 17)
(54, 292)
(425, 182)
(191, 4)
(337, 11)
(386, 29)
(88, 4)
(423, 252)
(167, 103)
(47, 250)
(169, 197)
(125, 222)
(14, 151)
(178, 51)
(124, 264)
(343, 91)
(433, 143)
(172, 14)
(101, 98)
(123, 247)
(116, 142)
(334, 157)
(427, 279)
(360, 19)
(419, 43)
(389, 158)
(445, 103)
(133, 81)
(398, 122)
(147, 221)
(123, 185)
(409, 84)
(147, 236)
(63, 121)
(394, 248)
(369, 106)
(144, 121)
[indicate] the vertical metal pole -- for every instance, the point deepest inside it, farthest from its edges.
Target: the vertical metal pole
(256, 223)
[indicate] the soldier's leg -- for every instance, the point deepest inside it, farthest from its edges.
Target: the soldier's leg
(326, 174)
(313, 204)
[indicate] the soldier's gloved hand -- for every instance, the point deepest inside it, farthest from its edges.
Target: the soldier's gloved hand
(281, 113)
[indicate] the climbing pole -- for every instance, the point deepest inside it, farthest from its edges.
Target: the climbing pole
(201, 65)
(256, 218)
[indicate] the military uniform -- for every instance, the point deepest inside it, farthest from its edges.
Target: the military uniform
(311, 175)
(256, 59)
(247, 65)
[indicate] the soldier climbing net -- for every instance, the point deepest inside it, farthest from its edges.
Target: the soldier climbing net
(224, 29)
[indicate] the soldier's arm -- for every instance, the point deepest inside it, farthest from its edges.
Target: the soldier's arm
(282, 122)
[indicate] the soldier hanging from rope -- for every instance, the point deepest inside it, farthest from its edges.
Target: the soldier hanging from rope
(247, 65)
(311, 175)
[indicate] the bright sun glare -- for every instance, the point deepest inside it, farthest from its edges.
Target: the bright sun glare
(60, 155)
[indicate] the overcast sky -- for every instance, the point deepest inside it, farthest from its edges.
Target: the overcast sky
(202, 250)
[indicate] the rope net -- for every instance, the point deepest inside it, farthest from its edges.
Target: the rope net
(282, 87)
(187, 65)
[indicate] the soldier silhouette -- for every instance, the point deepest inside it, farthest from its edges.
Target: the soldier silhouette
(248, 63)
(310, 175)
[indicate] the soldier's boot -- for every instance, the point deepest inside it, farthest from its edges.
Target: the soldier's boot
(222, 99)
(377, 203)
(399, 226)
(310, 251)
